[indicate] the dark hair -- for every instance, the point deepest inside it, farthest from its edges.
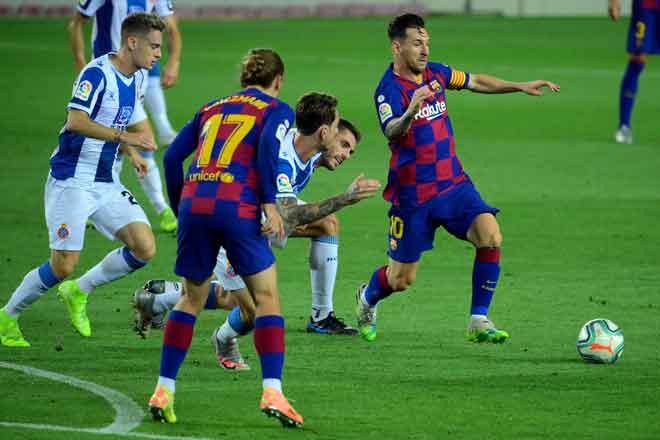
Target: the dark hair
(397, 27)
(313, 110)
(140, 24)
(260, 67)
(345, 124)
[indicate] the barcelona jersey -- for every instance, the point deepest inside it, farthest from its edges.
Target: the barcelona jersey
(423, 164)
(236, 143)
(644, 30)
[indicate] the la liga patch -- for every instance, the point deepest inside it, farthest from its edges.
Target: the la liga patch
(83, 91)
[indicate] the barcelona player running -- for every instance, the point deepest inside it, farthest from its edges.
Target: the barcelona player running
(426, 184)
(643, 39)
(235, 141)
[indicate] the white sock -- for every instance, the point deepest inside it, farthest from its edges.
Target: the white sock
(168, 299)
(226, 332)
(115, 265)
(323, 271)
(34, 285)
(153, 186)
(168, 383)
(272, 383)
(155, 102)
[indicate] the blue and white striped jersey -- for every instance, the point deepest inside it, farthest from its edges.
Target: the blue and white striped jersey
(108, 15)
(108, 97)
(292, 174)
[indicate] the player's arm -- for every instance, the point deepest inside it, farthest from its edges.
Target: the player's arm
(79, 122)
(296, 215)
(614, 9)
(397, 127)
(137, 161)
(489, 84)
(181, 147)
(76, 40)
(174, 44)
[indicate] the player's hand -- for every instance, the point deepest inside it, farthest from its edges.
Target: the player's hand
(273, 224)
(534, 88)
(140, 164)
(139, 140)
(169, 75)
(361, 188)
(418, 98)
(614, 10)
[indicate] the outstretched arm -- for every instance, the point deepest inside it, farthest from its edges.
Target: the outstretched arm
(76, 41)
(489, 84)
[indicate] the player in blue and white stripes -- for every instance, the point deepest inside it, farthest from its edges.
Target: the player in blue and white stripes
(82, 185)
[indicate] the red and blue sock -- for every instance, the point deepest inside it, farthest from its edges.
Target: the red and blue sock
(485, 274)
(628, 91)
(269, 342)
(176, 342)
(378, 287)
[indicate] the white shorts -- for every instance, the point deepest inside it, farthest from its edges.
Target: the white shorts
(110, 207)
(229, 279)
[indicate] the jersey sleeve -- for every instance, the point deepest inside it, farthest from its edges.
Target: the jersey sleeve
(181, 147)
(389, 104)
(88, 8)
(284, 177)
(164, 8)
(275, 128)
(87, 90)
(454, 79)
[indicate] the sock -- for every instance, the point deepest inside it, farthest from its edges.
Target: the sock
(485, 274)
(168, 299)
(628, 91)
(34, 284)
(155, 103)
(269, 342)
(115, 265)
(323, 272)
(234, 326)
(152, 184)
(212, 300)
(378, 287)
(176, 342)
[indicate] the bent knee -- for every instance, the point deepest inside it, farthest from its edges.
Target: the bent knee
(493, 239)
(145, 250)
(639, 58)
(401, 282)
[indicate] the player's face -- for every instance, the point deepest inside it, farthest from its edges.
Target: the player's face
(342, 149)
(414, 50)
(147, 50)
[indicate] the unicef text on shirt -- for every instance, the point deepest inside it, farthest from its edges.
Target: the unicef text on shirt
(432, 111)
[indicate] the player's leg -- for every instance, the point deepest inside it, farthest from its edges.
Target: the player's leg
(323, 262)
(627, 94)
(155, 102)
(151, 183)
(239, 322)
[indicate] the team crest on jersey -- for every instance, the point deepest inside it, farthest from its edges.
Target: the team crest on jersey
(393, 244)
(230, 272)
(124, 115)
(384, 111)
(283, 183)
(83, 91)
(435, 85)
(63, 231)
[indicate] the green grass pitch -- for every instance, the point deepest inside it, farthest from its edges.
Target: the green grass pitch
(579, 217)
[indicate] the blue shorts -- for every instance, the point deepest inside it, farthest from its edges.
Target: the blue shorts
(412, 230)
(644, 31)
(201, 236)
(155, 71)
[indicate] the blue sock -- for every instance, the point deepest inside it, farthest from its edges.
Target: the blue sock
(378, 287)
(211, 300)
(237, 324)
(628, 91)
(176, 342)
(485, 274)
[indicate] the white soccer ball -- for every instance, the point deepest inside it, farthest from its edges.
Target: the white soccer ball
(600, 341)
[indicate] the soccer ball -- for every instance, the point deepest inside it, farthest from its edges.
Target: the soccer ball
(600, 341)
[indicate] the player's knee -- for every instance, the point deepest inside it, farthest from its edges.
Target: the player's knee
(491, 239)
(64, 267)
(403, 281)
(248, 314)
(145, 250)
(639, 58)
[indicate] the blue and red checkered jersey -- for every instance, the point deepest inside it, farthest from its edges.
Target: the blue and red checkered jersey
(424, 162)
(236, 142)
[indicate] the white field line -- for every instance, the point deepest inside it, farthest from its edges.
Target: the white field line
(128, 414)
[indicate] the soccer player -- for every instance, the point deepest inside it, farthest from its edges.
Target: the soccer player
(643, 39)
(82, 185)
(219, 203)
(426, 184)
(107, 17)
(159, 296)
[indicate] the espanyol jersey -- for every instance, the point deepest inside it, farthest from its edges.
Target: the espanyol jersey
(108, 97)
(108, 15)
(292, 174)
(423, 162)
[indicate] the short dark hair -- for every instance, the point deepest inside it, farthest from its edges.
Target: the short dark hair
(260, 67)
(345, 124)
(313, 110)
(140, 24)
(397, 27)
